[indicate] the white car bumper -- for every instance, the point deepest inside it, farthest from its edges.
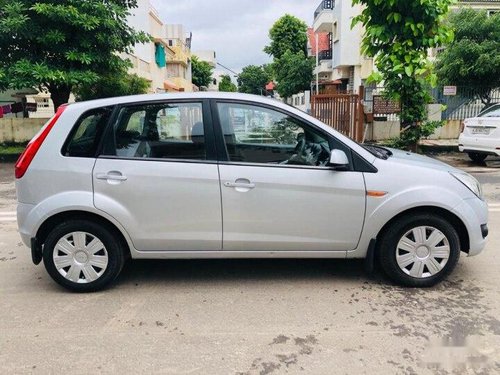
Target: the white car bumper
(489, 146)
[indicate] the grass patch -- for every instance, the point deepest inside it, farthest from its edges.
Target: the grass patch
(12, 148)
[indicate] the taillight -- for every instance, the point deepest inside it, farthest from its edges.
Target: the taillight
(462, 127)
(29, 153)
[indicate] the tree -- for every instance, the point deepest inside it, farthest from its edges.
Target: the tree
(473, 58)
(202, 72)
(398, 35)
(292, 68)
(118, 83)
(253, 79)
(294, 73)
(226, 85)
(55, 45)
(287, 34)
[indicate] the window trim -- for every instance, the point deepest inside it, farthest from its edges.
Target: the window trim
(221, 145)
(77, 124)
(208, 127)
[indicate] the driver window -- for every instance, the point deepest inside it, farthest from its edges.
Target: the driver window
(260, 135)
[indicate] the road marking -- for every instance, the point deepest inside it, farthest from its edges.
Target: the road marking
(7, 219)
(8, 213)
(494, 210)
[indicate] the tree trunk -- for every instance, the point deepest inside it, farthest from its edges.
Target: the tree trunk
(59, 95)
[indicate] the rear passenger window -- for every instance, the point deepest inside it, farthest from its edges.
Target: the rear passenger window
(87, 133)
(161, 131)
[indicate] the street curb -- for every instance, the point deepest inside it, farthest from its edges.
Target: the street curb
(438, 149)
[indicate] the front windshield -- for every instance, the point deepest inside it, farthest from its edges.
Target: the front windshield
(493, 111)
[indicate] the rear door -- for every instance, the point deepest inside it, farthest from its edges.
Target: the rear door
(158, 176)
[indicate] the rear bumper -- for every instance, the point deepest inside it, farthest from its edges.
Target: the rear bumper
(474, 214)
(489, 146)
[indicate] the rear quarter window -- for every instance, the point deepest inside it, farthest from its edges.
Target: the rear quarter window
(87, 133)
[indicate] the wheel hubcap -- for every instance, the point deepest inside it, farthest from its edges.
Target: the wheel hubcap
(80, 257)
(422, 252)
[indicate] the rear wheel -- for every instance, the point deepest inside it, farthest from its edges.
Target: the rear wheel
(477, 157)
(82, 256)
(419, 250)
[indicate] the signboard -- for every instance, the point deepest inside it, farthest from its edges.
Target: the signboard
(383, 106)
(449, 90)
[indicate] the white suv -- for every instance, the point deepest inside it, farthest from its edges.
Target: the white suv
(211, 175)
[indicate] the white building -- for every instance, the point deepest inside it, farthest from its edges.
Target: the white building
(166, 60)
(343, 62)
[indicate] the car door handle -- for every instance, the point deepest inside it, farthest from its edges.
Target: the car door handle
(111, 176)
(241, 185)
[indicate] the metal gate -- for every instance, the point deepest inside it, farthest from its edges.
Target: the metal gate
(343, 112)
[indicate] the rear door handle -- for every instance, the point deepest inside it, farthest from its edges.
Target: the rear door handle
(111, 176)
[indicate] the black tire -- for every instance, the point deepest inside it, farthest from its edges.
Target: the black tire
(388, 244)
(477, 157)
(113, 247)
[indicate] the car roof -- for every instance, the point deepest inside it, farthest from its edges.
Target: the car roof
(176, 96)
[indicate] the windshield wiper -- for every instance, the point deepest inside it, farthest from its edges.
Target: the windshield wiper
(378, 151)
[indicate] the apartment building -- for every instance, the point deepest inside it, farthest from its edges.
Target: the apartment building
(166, 60)
(341, 62)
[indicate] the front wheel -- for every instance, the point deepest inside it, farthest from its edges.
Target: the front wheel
(477, 157)
(82, 256)
(419, 250)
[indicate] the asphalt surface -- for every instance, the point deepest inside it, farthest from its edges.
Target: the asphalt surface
(251, 316)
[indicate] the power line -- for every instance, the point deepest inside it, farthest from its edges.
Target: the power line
(230, 70)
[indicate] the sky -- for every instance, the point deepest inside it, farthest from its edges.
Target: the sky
(237, 30)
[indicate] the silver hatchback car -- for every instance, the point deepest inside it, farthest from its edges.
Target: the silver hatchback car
(213, 175)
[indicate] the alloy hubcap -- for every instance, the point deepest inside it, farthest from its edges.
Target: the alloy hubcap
(80, 257)
(422, 252)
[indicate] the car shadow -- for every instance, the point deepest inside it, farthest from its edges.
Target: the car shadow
(217, 270)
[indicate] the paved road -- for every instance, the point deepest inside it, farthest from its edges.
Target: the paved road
(250, 316)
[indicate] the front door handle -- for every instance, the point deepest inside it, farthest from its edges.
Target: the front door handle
(111, 176)
(243, 185)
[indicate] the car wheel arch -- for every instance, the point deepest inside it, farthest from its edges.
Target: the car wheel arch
(58, 218)
(453, 219)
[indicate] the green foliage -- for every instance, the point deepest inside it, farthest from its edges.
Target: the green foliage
(57, 45)
(294, 73)
(202, 72)
(253, 79)
(473, 58)
(119, 83)
(398, 35)
(226, 85)
(292, 68)
(412, 134)
(288, 34)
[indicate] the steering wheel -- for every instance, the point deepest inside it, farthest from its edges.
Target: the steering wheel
(299, 148)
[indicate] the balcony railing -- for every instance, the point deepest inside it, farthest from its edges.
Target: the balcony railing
(324, 5)
(325, 55)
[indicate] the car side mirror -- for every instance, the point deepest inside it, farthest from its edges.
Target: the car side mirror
(339, 160)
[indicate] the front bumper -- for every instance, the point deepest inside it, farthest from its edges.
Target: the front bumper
(474, 214)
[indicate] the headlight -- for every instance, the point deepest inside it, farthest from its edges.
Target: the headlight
(470, 182)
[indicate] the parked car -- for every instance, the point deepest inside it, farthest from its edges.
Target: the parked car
(179, 176)
(480, 135)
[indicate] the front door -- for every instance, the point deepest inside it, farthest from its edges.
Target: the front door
(158, 178)
(278, 193)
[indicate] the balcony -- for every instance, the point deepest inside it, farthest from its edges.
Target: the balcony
(323, 16)
(325, 55)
